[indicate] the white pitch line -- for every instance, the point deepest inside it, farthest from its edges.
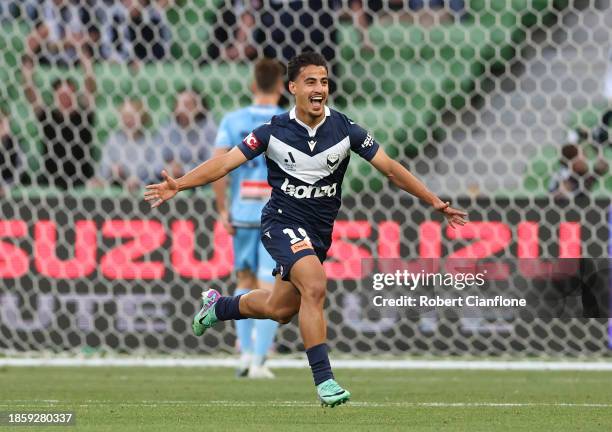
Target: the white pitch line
(302, 404)
(535, 365)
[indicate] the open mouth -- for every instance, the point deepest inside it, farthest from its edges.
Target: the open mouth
(316, 102)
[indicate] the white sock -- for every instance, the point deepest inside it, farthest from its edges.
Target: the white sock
(245, 361)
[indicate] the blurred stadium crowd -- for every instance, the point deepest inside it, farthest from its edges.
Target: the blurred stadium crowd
(51, 39)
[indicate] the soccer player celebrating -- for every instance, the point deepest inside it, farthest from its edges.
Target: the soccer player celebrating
(307, 153)
(249, 193)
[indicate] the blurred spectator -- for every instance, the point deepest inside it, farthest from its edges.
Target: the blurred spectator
(284, 29)
(130, 157)
(27, 10)
(102, 13)
(58, 24)
(135, 31)
(11, 158)
(11, 9)
(275, 29)
(243, 46)
(574, 177)
(187, 139)
(67, 126)
(422, 12)
(601, 132)
(111, 21)
(233, 35)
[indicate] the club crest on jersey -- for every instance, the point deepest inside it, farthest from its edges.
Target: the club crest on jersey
(332, 160)
(368, 141)
(252, 142)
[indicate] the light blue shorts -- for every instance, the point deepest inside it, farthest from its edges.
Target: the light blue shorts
(250, 254)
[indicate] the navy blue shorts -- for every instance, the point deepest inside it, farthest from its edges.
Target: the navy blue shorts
(287, 242)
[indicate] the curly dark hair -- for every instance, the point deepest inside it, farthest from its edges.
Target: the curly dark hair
(302, 60)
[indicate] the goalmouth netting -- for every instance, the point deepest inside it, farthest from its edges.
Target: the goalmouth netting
(478, 98)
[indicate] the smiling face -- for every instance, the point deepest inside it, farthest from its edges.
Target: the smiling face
(311, 90)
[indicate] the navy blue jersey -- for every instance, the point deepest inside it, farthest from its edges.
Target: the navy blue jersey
(306, 165)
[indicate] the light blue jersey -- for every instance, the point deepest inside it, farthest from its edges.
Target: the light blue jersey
(249, 182)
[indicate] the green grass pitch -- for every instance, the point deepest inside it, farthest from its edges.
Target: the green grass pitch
(181, 399)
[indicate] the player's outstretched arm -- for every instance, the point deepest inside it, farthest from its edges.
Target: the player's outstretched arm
(404, 179)
(207, 172)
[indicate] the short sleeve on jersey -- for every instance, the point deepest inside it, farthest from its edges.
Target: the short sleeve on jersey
(224, 134)
(362, 142)
(255, 143)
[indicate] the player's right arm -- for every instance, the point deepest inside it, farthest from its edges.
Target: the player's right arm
(207, 172)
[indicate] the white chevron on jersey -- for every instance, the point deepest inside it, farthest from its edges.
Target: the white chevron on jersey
(309, 169)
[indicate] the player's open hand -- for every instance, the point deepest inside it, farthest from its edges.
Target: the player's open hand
(453, 215)
(158, 193)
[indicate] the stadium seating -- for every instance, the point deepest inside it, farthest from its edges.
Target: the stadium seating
(437, 68)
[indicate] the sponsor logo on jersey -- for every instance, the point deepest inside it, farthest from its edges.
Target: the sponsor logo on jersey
(309, 191)
(301, 245)
(252, 142)
(368, 141)
(332, 160)
(312, 144)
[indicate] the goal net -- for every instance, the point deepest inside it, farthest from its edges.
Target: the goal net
(500, 106)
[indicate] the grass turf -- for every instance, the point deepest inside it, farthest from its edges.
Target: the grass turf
(176, 399)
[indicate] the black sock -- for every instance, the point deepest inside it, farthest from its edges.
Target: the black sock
(319, 363)
(227, 308)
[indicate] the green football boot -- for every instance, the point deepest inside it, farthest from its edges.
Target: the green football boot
(206, 317)
(331, 394)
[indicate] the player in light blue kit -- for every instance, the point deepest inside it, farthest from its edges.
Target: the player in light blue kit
(250, 191)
